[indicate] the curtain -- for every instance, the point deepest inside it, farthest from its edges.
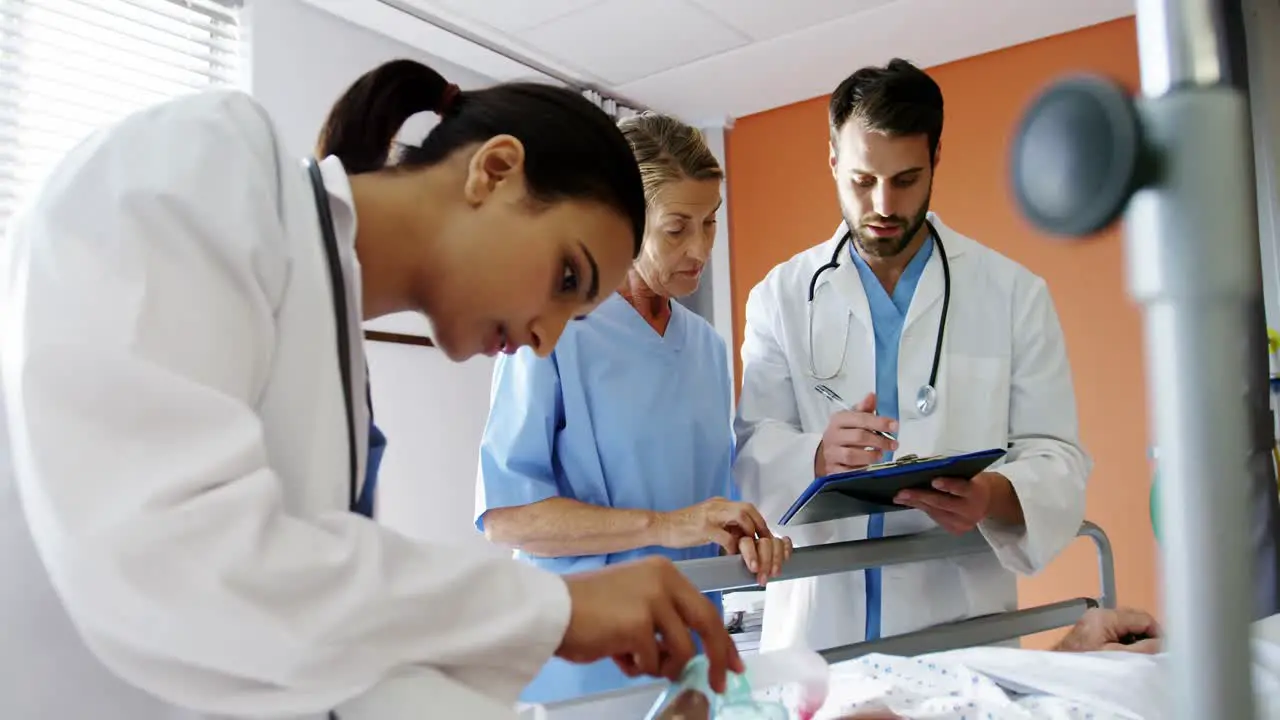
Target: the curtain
(611, 107)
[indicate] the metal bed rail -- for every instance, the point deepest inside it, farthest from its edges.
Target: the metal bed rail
(728, 573)
(974, 632)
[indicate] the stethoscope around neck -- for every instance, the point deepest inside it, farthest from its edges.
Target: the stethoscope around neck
(927, 395)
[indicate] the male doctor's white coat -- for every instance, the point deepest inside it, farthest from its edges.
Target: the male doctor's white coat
(1003, 380)
(174, 473)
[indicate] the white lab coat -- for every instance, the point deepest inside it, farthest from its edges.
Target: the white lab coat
(174, 471)
(1004, 378)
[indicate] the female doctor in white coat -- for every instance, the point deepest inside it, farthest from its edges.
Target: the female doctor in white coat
(929, 336)
(186, 435)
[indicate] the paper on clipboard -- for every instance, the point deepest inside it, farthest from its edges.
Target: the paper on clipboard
(870, 490)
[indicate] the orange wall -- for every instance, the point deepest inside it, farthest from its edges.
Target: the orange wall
(781, 200)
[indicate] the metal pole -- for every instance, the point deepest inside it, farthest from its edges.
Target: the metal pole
(1192, 251)
(1106, 564)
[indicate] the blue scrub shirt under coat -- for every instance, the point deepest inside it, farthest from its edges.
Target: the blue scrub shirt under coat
(888, 315)
(620, 417)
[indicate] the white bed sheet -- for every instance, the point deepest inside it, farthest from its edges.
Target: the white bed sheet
(1007, 684)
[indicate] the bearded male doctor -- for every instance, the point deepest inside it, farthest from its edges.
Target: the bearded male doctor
(893, 289)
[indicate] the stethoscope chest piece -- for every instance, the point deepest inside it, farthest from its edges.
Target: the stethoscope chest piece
(927, 400)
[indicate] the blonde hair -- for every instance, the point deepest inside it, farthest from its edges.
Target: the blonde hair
(667, 151)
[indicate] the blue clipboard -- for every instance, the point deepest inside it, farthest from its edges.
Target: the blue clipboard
(871, 490)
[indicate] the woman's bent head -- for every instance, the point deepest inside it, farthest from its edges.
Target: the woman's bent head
(522, 209)
(682, 189)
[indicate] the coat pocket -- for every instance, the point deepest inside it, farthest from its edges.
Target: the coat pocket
(977, 404)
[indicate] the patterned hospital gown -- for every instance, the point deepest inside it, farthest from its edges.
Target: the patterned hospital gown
(1000, 683)
(932, 688)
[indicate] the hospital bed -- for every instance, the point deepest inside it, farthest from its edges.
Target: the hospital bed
(729, 573)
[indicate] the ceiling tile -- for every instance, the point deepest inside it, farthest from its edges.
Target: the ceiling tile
(623, 40)
(810, 63)
(764, 19)
(512, 15)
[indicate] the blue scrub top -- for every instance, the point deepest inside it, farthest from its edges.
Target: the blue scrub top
(365, 502)
(618, 416)
(888, 315)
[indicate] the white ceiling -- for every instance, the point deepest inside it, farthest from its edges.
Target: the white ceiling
(708, 60)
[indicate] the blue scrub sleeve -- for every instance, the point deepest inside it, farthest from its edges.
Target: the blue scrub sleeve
(525, 410)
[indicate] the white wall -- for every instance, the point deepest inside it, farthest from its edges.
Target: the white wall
(302, 58)
(721, 274)
(432, 410)
(714, 298)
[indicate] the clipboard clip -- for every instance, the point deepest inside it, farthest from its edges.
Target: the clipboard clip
(908, 459)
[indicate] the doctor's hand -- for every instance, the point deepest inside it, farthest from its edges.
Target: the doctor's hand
(641, 615)
(956, 505)
(851, 441)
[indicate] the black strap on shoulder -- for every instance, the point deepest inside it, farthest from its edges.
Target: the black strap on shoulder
(339, 288)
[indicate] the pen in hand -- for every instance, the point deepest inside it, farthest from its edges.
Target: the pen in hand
(834, 397)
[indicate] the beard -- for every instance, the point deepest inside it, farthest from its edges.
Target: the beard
(886, 247)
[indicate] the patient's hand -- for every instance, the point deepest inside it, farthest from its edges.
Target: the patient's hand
(1100, 629)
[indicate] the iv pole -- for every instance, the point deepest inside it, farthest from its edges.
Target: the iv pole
(1178, 164)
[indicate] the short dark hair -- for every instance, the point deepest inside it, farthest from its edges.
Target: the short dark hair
(573, 150)
(897, 99)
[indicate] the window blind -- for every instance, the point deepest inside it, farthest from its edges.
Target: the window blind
(69, 67)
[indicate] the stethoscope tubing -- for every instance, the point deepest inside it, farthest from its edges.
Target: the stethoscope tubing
(834, 263)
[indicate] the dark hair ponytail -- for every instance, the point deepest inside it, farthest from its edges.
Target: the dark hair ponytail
(573, 150)
(365, 120)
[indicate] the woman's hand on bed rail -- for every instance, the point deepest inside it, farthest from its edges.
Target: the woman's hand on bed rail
(764, 556)
(737, 527)
(717, 520)
(1125, 629)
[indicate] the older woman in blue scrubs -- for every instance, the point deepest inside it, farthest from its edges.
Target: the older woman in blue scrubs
(619, 444)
